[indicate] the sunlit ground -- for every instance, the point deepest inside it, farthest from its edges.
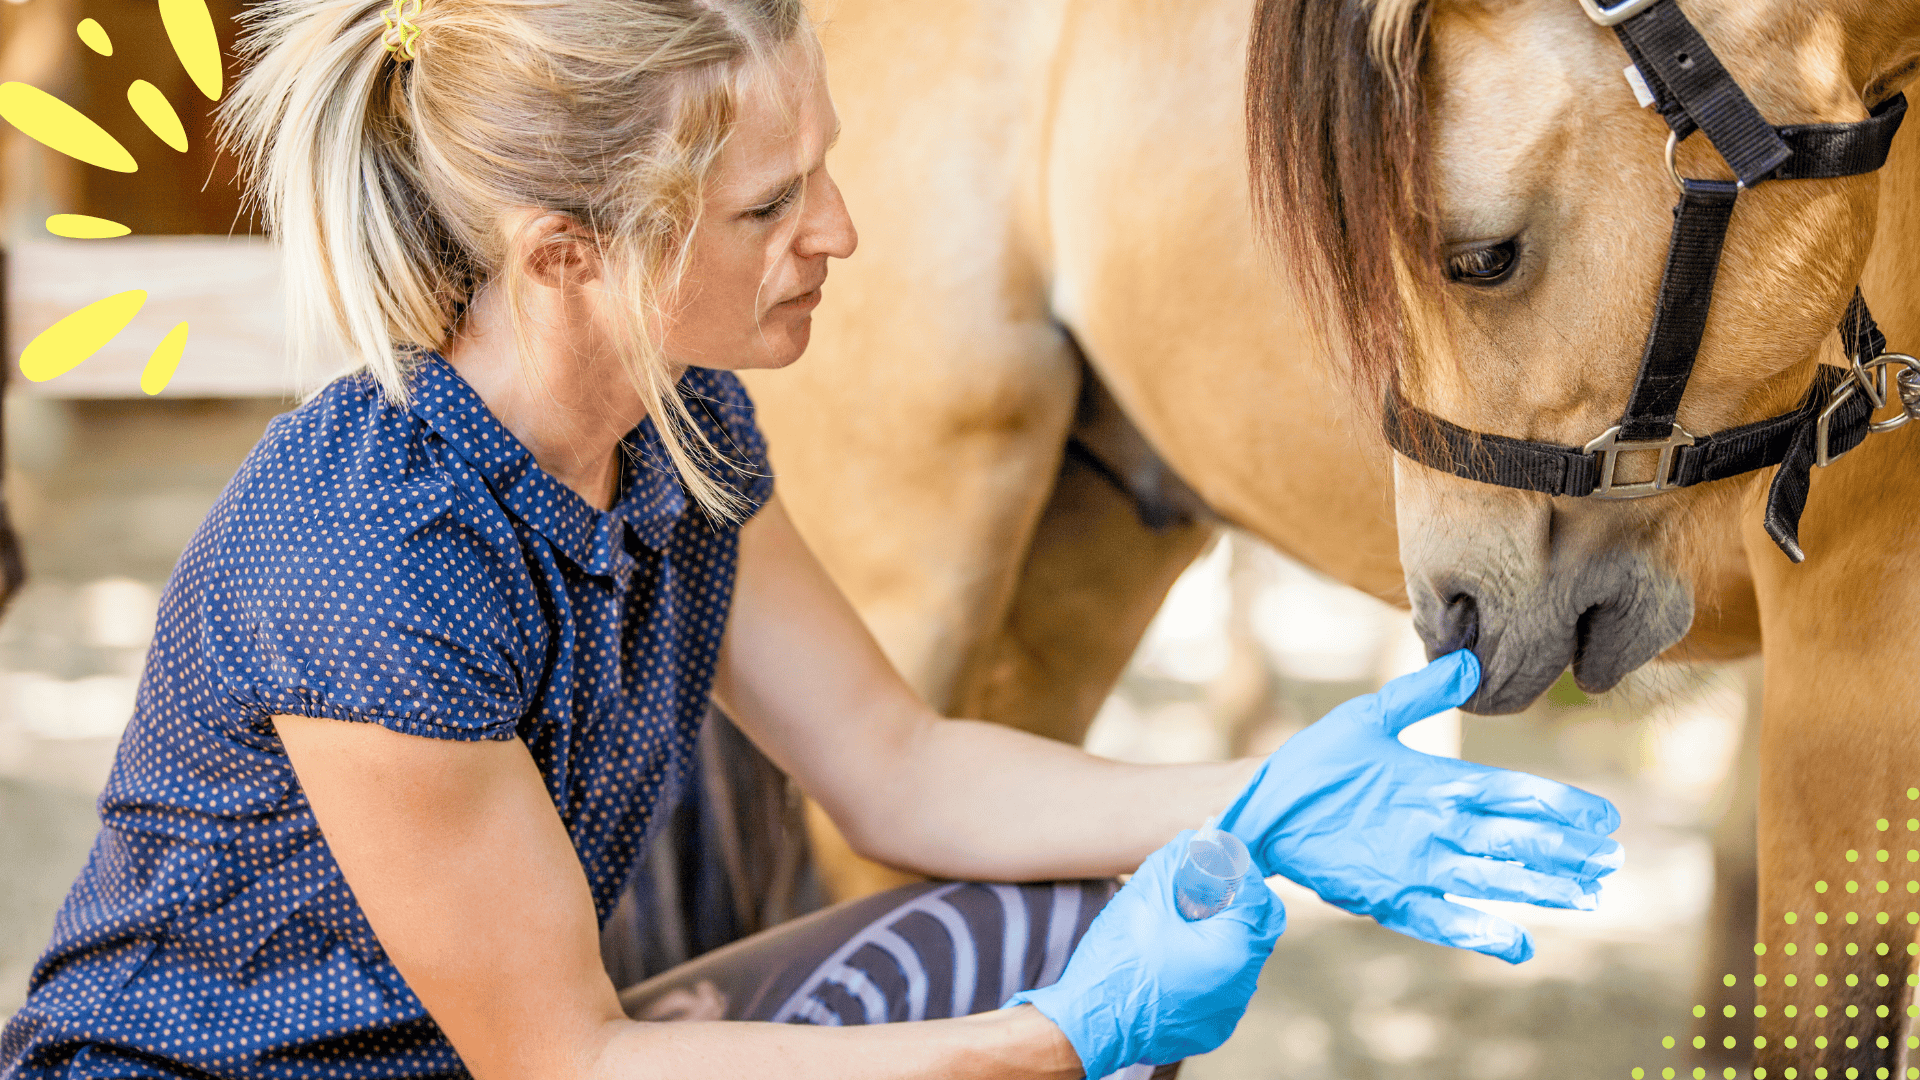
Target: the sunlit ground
(1247, 649)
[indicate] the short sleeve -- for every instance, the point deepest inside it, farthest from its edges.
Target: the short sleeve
(725, 413)
(384, 610)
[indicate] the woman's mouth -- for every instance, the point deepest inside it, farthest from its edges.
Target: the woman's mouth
(804, 302)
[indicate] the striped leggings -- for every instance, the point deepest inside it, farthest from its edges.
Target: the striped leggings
(918, 952)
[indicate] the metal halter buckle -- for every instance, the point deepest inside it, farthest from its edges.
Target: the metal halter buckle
(1611, 446)
(1617, 13)
(1869, 378)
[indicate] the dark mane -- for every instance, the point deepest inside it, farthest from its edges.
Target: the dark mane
(1338, 156)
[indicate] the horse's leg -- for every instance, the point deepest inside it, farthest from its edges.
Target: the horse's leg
(1099, 563)
(1116, 532)
(1730, 915)
(923, 504)
(1838, 749)
(1840, 745)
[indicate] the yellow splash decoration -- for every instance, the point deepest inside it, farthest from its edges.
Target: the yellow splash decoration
(59, 126)
(95, 36)
(82, 227)
(190, 28)
(165, 359)
(61, 347)
(157, 113)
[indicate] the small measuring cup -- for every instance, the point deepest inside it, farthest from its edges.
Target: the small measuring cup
(1210, 873)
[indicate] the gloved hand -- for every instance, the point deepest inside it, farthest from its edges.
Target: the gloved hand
(1382, 830)
(1146, 985)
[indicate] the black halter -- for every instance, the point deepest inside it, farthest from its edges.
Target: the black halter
(1694, 93)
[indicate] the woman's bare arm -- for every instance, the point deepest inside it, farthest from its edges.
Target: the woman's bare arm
(802, 675)
(455, 853)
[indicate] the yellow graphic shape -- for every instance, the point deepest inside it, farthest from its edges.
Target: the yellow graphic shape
(165, 359)
(61, 347)
(157, 113)
(95, 37)
(59, 126)
(190, 28)
(82, 227)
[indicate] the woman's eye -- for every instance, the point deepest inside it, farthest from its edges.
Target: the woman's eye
(1482, 266)
(777, 206)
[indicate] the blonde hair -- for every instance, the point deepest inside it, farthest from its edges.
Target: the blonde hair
(387, 182)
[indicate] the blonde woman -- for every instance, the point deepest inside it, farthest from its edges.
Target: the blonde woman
(428, 672)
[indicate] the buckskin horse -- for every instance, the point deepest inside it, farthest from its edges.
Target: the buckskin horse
(1061, 356)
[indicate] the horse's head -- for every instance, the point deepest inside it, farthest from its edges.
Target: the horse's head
(1479, 212)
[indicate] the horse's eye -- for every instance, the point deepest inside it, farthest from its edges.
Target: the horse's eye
(1482, 266)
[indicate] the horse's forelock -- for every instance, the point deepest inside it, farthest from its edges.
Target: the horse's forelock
(1338, 152)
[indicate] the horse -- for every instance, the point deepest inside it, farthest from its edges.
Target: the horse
(1066, 352)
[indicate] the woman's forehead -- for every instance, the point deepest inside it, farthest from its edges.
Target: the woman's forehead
(785, 120)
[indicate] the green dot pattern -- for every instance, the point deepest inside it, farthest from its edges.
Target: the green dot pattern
(1820, 978)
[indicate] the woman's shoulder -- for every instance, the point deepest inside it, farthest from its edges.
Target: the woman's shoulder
(346, 459)
(349, 566)
(351, 481)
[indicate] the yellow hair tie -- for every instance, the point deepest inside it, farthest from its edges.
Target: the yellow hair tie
(400, 33)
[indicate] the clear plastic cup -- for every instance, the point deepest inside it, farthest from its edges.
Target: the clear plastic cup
(1210, 873)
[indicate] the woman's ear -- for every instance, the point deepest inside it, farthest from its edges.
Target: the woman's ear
(558, 252)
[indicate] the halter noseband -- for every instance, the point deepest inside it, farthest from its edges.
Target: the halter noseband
(1694, 93)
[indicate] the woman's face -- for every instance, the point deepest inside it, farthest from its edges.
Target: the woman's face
(772, 219)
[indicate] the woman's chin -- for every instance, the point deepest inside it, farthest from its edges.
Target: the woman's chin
(770, 345)
(783, 346)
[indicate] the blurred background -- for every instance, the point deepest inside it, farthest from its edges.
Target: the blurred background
(105, 487)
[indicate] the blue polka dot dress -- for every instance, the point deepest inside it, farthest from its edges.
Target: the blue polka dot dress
(409, 567)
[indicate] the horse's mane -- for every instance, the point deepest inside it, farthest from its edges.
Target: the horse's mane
(1339, 168)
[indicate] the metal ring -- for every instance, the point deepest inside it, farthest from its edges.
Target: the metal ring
(1673, 167)
(1882, 362)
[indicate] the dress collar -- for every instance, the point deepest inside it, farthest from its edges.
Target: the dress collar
(651, 502)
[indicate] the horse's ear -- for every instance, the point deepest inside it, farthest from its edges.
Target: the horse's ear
(1894, 80)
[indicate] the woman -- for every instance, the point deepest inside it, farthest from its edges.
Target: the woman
(436, 659)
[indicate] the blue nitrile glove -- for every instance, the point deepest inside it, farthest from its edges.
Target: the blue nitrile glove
(1382, 830)
(1146, 985)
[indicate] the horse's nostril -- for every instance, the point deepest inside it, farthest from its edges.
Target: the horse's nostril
(1460, 624)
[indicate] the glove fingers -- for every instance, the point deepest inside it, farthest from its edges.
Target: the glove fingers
(1485, 879)
(1441, 685)
(1431, 917)
(1548, 848)
(1523, 795)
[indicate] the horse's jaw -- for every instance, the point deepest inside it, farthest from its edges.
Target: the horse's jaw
(1532, 588)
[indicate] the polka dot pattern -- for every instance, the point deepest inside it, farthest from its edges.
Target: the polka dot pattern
(409, 567)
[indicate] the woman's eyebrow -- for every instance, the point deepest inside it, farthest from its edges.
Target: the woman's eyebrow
(773, 191)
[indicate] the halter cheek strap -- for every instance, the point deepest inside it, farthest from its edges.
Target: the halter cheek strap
(1693, 92)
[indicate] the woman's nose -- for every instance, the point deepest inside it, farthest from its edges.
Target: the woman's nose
(827, 228)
